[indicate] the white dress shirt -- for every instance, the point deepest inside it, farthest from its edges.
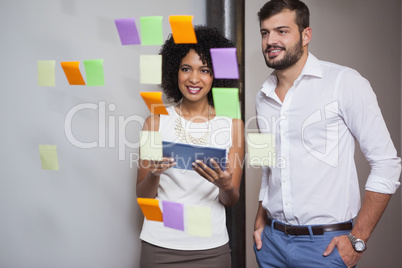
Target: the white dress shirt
(314, 180)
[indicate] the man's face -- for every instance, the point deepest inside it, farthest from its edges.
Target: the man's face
(281, 41)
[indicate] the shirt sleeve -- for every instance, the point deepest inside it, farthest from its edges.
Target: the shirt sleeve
(265, 170)
(362, 115)
(264, 183)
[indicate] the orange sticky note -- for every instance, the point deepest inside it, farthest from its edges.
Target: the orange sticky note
(154, 102)
(150, 208)
(72, 72)
(182, 29)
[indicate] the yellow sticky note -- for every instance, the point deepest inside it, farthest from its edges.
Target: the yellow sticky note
(151, 145)
(199, 221)
(151, 69)
(154, 102)
(182, 29)
(72, 71)
(150, 208)
(46, 73)
(48, 157)
(261, 149)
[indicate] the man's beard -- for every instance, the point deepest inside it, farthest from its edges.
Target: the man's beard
(292, 56)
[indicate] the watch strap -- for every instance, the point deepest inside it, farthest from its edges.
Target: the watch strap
(353, 239)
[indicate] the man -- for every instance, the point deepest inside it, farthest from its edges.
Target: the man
(316, 110)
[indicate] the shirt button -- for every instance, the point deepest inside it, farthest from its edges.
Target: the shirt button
(286, 203)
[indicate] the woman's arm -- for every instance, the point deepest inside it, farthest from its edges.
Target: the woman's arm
(227, 181)
(149, 171)
(230, 195)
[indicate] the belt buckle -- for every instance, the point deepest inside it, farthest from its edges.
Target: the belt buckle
(291, 230)
(286, 229)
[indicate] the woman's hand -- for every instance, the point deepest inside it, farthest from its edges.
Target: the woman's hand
(227, 181)
(157, 167)
(222, 179)
(149, 173)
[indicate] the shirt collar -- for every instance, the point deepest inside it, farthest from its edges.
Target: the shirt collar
(311, 68)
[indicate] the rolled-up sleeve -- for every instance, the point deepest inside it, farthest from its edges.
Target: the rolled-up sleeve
(363, 116)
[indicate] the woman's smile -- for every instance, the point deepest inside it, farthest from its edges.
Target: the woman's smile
(195, 78)
(193, 89)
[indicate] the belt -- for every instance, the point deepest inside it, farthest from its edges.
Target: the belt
(316, 229)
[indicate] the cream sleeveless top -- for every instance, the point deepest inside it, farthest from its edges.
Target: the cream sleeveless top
(189, 188)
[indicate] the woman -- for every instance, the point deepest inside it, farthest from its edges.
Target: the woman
(187, 79)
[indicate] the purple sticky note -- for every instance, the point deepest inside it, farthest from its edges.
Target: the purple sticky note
(224, 61)
(127, 31)
(173, 215)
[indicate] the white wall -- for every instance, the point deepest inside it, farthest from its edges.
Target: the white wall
(365, 35)
(84, 215)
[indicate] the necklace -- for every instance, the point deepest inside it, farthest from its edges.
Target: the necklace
(184, 136)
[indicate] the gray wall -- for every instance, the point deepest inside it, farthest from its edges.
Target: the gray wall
(84, 215)
(365, 35)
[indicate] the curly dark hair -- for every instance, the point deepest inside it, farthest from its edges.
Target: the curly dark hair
(172, 54)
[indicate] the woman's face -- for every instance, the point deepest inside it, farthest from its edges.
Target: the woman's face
(195, 78)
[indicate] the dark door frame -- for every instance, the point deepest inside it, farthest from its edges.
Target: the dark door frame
(228, 17)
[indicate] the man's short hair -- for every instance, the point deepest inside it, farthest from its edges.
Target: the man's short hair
(274, 7)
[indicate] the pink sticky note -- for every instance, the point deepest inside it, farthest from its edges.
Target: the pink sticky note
(173, 215)
(224, 61)
(127, 31)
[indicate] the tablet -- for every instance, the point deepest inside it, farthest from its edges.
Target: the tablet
(186, 154)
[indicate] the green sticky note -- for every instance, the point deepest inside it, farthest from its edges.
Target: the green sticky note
(150, 69)
(151, 30)
(151, 145)
(226, 102)
(94, 72)
(48, 157)
(261, 149)
(199, 221)
(46, 73)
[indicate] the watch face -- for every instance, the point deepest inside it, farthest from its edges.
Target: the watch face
(359, 245)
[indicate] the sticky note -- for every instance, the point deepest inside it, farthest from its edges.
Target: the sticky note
(261, 149)
(173, 215)
(199, 221)
(151, 145)
(182, 29)
(154, 102)
(94, 72)
(72, 71)
(226, 102)
(48, 157)
(151, 30)
(128, 32)
(224, 63)
(151, 69)
(46, 73)
(150, 208)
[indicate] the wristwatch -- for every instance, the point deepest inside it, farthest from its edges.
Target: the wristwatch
(357, 243)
